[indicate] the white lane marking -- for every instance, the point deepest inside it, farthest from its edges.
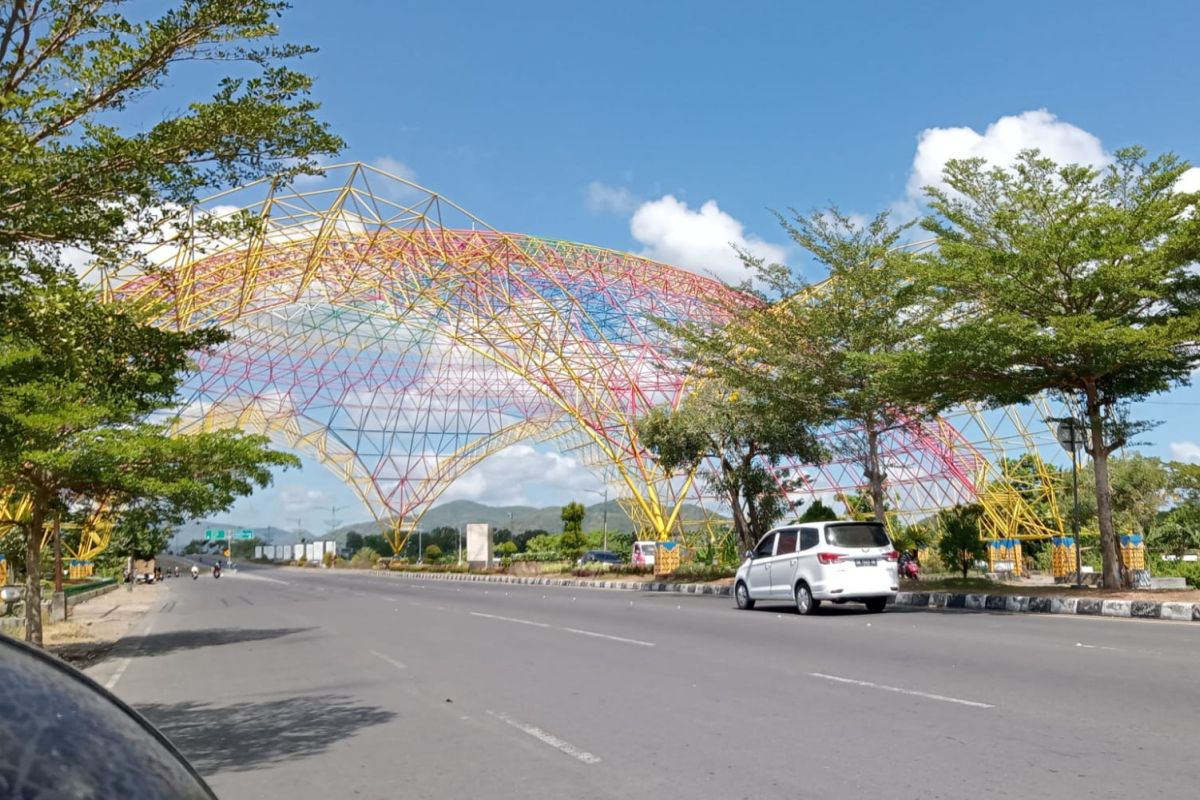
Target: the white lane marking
(250, 577)
(123, 664)
(898, 690)
(1095, 646)
(510, 619)
(548, 738)
(392, 661)
(611, 638)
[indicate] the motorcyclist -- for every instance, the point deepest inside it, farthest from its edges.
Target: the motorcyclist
(195, 572)
(217, 570)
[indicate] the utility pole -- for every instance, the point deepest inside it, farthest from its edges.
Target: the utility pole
(333, 520)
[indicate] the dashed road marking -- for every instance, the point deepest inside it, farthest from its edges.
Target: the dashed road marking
(609, 637)
(510, 619)
(898, 690)
(548, 738)
(389, 659)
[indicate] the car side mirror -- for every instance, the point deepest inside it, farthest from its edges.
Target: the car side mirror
(750, 554)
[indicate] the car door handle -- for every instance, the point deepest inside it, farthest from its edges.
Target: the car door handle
(792, 562)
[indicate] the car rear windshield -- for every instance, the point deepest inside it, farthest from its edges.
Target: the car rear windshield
(862, 535)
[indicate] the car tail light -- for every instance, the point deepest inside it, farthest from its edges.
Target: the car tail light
(892, 556)
(829, 558)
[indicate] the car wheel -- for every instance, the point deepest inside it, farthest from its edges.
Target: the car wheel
(804, 599)
(876, 604)
(743, 597)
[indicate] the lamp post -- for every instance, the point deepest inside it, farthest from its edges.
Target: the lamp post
(1070, 433)
(605, 494)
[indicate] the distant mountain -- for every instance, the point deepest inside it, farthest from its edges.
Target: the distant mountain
(524, 518)
(268, 534)
(453, 514)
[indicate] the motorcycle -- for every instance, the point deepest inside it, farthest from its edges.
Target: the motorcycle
(216, 570)
(908, 568)
(195, 572)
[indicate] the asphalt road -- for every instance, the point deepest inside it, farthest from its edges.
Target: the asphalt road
(309, 684)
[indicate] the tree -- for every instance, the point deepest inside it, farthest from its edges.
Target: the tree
(78, 383)
(830, 352)
(739, 436)
(573, 542)
(1140, 486)
(506, 549)
(81, 165)
(354, 541)
(818, 512)
(244, 548)
(1177, 531)
(379, 543)
(1068, 279)
(960, 546)
(194, 548)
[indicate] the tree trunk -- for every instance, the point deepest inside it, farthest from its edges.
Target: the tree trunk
(874, 472)
(33, 576)
(1109, 550)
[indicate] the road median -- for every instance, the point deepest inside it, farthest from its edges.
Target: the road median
(934, 600)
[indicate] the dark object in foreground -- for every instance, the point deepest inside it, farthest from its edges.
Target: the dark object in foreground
(64, 736)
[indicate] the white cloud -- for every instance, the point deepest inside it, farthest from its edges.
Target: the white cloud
(395, 167)
(523, 475)
(700, 240)
(1185, 451)
(605, 199)
(301, 500)
(1189, 181)
(999, 144)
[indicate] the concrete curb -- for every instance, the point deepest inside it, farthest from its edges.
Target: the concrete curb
(579, 583)
(1007, 603)
(1096, 607)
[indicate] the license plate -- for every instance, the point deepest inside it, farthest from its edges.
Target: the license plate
(864, 562)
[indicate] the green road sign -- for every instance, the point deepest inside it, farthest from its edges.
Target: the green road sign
(208, 535)
(246, 534)
(220, 535)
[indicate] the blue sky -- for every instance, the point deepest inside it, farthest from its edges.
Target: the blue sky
(672, 128)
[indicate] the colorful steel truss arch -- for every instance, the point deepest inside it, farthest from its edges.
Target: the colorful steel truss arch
(401, 341)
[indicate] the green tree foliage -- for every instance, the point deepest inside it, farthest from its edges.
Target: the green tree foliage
(433, 553)
(1140, 486)
(379, 543)
(364, 557)
(730, 438)
(960, 546)
(81, 165)
(1064, 278)
(244, 548)
(354, 541)
(831, 352)
(78, 383)
(194, 548)
(506, 549)
(544, 543)
(573, 542)
(818, 512)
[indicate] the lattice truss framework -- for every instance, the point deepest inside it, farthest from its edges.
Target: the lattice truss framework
(401, 341)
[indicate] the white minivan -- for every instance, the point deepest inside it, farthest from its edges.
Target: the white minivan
(810, 562)
(643, 553)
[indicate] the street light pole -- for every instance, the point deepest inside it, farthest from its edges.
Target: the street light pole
(1075, 515)
(605, 493)
(1069, 434)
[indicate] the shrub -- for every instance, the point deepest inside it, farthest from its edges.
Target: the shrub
(366, 557)
(702, 572)
(1189, 570)
(433, 553)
